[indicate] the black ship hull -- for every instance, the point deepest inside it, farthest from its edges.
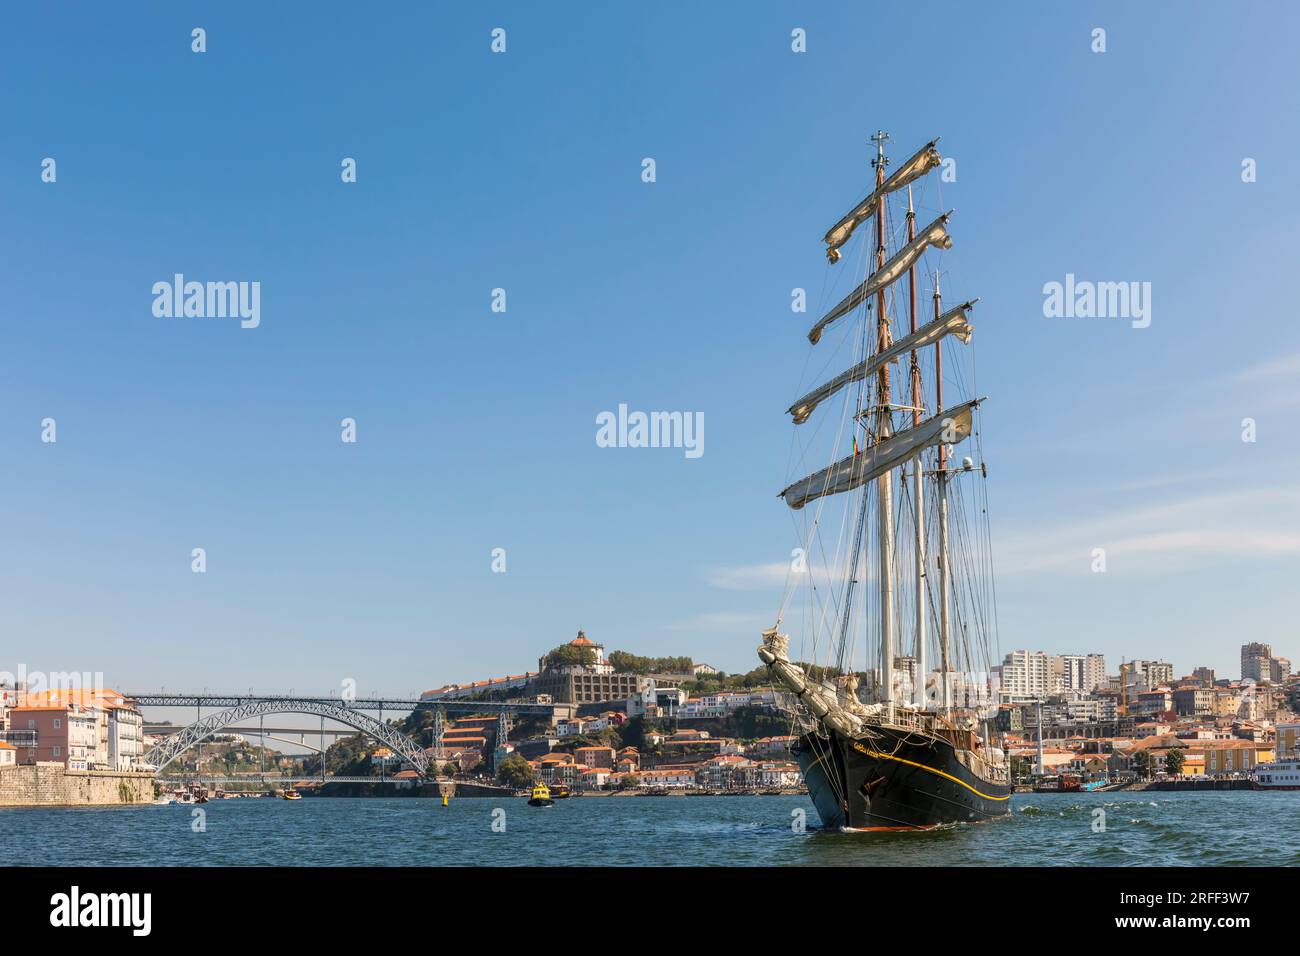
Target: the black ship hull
(902, 781)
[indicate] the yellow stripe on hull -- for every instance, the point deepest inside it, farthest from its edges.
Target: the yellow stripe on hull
(912, 763)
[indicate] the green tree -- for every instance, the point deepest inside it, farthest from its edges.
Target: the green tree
(1142, 764)
(1174, 761)
(628, 781)
(516, 772)
(627, 663)
(570, 654)
(450, 770)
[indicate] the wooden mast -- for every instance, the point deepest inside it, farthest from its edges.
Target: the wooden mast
(884, 427)
(945, 634)
(918, 497)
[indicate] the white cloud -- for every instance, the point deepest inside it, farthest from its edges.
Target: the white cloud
(1199, 531)
(749, 577)
(725, 622)
(1286, 367)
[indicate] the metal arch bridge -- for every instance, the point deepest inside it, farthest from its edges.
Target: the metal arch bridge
(351, 713)
(168, 750)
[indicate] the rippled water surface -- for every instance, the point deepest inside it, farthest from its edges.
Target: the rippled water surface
(1141, 829)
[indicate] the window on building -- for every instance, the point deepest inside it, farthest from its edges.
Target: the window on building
(58, 751)
(57, 723)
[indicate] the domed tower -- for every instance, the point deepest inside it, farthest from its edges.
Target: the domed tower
(600, 666)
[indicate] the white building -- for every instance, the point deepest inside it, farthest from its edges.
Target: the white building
(1026, 675)
(1085, 672)
(1147, 675)
(672, 778)
(125, 737)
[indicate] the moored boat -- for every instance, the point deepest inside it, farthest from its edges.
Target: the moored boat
(1058, 783)
(1281, 774)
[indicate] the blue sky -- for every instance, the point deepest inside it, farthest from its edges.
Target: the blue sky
(476, 429)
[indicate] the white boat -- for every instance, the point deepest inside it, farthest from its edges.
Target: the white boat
(1281, 774)
(163, 801)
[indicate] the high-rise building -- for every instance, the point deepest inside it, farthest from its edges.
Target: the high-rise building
(1205, 675)
(1259, 664)
(1148, 675)
(1026, 675)
(1085, 672)
(1256, 662)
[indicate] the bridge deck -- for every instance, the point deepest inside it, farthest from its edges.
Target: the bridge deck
(223, 702)
(205, 780)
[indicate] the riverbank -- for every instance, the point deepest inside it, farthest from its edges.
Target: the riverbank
(1194, 784)
(1165, 785)
(50, 784)
(469, 788)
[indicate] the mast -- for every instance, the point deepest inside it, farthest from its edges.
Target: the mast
(884, 427)
(945, 634)
(1040, 736)
(917, 498)
(1123, 689)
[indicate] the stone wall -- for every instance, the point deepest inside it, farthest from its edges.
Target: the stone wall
(50, 785)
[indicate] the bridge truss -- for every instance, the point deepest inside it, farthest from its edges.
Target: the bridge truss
(345, 713)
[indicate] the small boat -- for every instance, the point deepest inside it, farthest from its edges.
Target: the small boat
(560, 792)
(185, 797)
(163, 801)
(292, 795)
(1065, 783)
(541, 797)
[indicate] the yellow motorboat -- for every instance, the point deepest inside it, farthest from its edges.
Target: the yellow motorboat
(541, 797)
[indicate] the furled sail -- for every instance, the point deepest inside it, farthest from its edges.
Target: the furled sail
(952, 322)
(948, 427)
(935, 234)
(926, 159)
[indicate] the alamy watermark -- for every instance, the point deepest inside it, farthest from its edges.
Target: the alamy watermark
(651, 430)
(1098, 300)
(75, 908)
(209, 300)
(57, 683)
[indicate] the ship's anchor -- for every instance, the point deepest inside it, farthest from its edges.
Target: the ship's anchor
(869, 787)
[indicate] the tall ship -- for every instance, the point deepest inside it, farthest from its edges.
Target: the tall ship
(891, 585)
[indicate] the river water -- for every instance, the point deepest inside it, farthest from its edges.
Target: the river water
(1142, 828)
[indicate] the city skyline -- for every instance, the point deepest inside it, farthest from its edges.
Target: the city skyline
(478, 430)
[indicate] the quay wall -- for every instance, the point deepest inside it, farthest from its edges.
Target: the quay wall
(1209, 784)
(49, 784)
